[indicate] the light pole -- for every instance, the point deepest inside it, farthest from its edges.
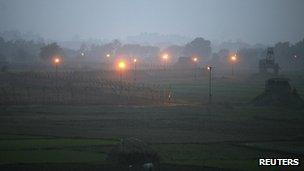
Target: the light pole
(82, 54)
(195, 60)
(108, 61)
(165, 58)
(233, 60)
(56, 61)
(121, 67)
(134, 61)
(209, 68)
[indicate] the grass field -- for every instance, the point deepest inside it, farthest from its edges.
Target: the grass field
(231, 155)
(229, 134)
(36, 149)
(217, 137)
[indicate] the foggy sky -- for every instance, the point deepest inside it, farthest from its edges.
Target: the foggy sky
(253, 21)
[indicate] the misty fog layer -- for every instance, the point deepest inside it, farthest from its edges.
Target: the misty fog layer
(253, 21)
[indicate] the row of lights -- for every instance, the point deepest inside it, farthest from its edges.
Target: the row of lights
(122, 64)
(165, 57)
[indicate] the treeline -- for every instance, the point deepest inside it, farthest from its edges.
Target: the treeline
(27, 52)
(198, 47)
(288, 56)
(19, 51)
(22, 51)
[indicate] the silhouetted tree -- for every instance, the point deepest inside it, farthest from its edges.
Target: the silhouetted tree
(3, 63)
(19, 50)
(248, 58)
(198, 47)
(223, 54)
(2, 59)
(48, 51)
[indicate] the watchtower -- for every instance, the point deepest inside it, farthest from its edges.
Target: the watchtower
(269, 63)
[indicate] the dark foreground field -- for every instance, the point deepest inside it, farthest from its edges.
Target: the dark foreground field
(197, 136)
(188, 134)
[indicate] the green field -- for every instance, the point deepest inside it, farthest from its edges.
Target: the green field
(36, 149)
(229, 134)
(231, 155)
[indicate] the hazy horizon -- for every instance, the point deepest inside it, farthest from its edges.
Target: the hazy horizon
(254, 22)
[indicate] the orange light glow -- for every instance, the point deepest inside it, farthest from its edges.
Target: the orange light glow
(108, 55)
(195, 59)
(165, 57)
(233, 58)
(135, 60)
(121, 65)
(57, 60)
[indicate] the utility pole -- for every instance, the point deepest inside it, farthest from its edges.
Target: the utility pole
(233, 60)
(210, 83)
(232, 69)
(134, 61)
(195, 60)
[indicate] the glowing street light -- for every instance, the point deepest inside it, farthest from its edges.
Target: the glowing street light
(165, 56)
(56, 61)
(108, 55)
(295, 56)
(121, 65)
(233, 60)
(82, 54)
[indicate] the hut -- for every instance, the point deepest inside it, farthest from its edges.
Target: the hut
(278, 92)
(134, 154)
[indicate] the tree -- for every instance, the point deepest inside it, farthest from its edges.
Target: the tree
(21, 55)
(175, 51)
(3, 63)
(48, 51)
(249, 57)
(198, 47)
